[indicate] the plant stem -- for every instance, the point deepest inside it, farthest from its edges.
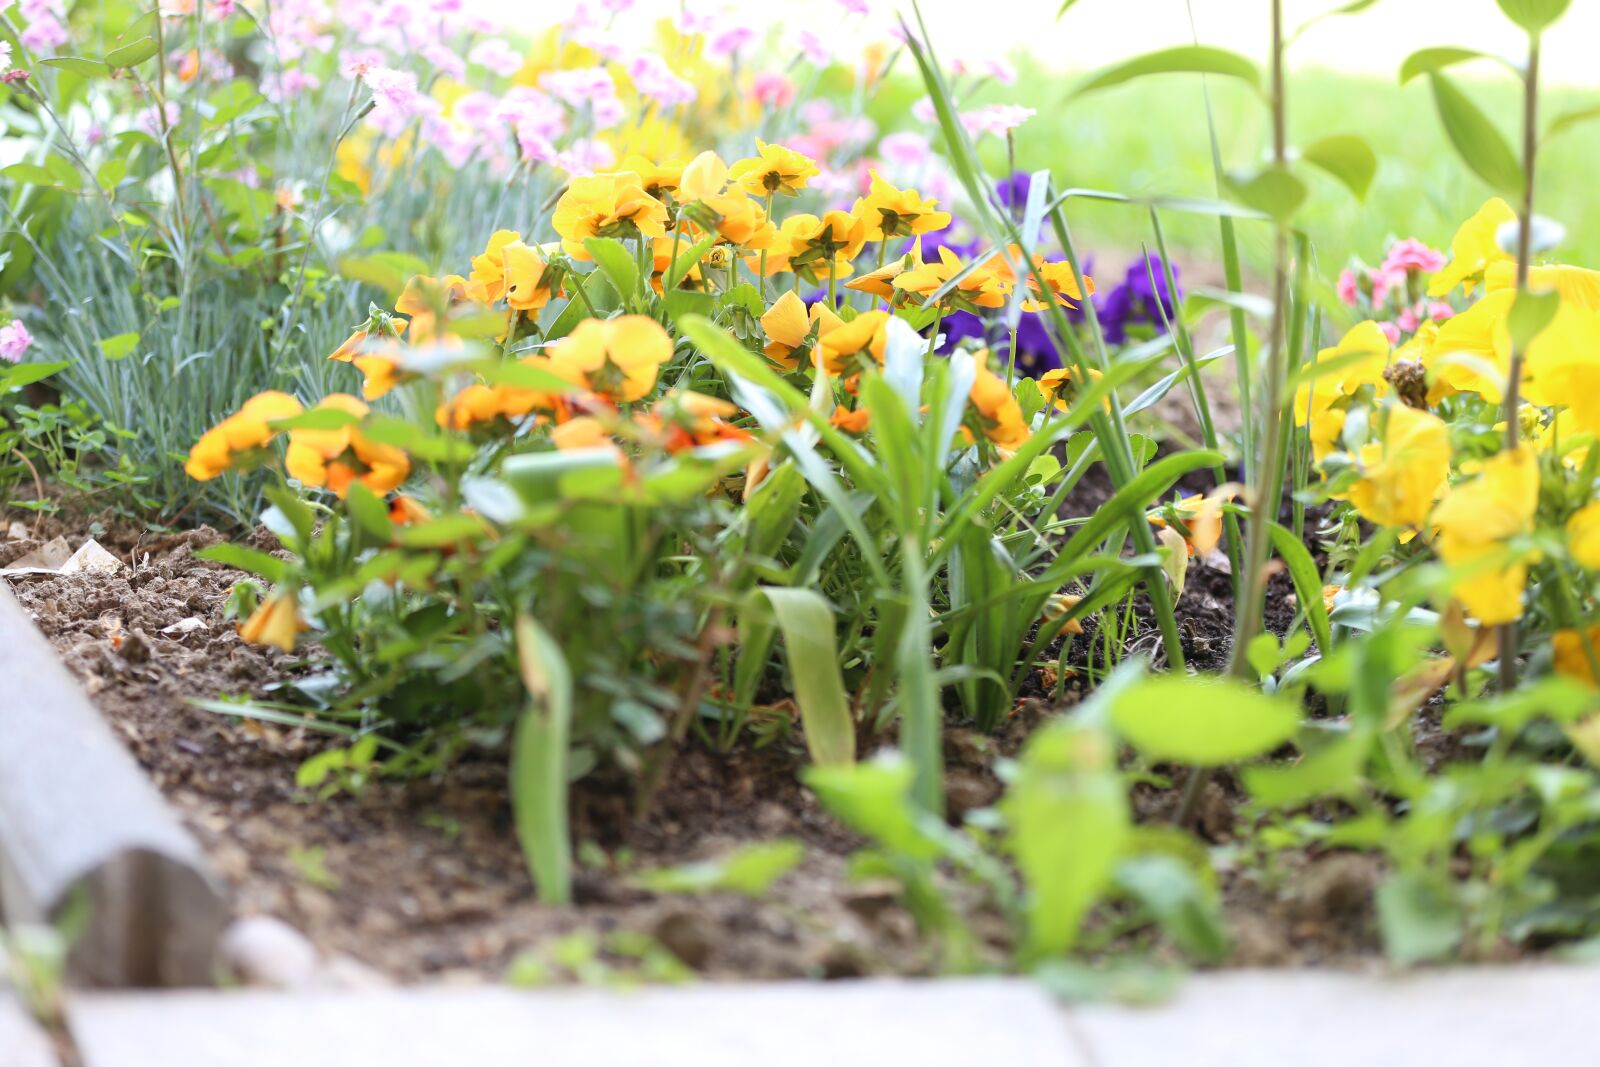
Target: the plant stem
(1507, 636)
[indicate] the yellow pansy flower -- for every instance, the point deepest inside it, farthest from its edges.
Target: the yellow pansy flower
(1475, 520)
(706, 175)
(1404, 473)
(1474, 248)
(774, 169)
(863, 337)
(789, 327)
(999, 415)
(1366, 345)
(983, 288)
(606, 205)
(890, 212)
(336, 458)
(616, 358)
(240, 434)
(276, 622)
(1583, 536)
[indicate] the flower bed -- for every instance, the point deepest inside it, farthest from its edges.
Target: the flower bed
(756, 548)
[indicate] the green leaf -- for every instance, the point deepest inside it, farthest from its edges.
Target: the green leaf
(132, 54)
(1433, 60)
(84, 68)
(1476, 140)
(1068, 820)
(1530, 313)
(267, 566)
(1202, 721)
(388, 271)
(369, 512)
(1418, 917)
(1184, 59)
(1272, 190)
(1564, 122)
(749, 871)
(874, 799)
(617, 264)
(119, 347)
(807, 623)
(539, 762)
(18, 375)
(1534, 15)
(1348, 158)
(317, 419)
(1169, 889)
(1307, 584)
(1331, 771)
(29, 174)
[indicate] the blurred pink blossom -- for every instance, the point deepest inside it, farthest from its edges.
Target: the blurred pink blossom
(906, 148)
(1439, 310)
(15, 340)
(444, 60)
(495, 56)
(773, 90)
(1391, 331)
(817, 53)
(653, 78)
(584, 157)
(1347, 288)
(998, 119)
(1407, 320)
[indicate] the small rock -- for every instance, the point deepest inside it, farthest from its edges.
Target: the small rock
(135, 647)
(689, 935)
(1339, 886)
(347, 972)
(264, 951)
(871, 898)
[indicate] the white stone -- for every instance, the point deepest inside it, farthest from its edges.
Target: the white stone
(22, 1043)
(264, 951)
(1466, 1017)
(956, 1023)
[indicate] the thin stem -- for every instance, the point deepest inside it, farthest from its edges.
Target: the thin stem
(1507, 636)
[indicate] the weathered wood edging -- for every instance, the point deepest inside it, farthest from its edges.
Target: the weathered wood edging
(78, 816)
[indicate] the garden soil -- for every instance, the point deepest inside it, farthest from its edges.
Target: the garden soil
(423, 880)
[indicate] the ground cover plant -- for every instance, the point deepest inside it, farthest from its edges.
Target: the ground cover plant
(607, 406)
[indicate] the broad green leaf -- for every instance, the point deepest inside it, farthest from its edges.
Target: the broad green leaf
(1475, 138)
(29, 174)
(119, 347)
(1307, 584)
(132, 54)
(388, 271)
(317, 419)
(18, 375)
(1184, 59)
(1433, 60)
(1272, 190)
(1348, 158)
(84, 68)
(618, 265)
(539, 762)
(750, 871)
(1418, 917)
(267, 566)
(369, 511)
(1178, 899)
(1068, 821)
(874, 798)
(807, 623)
(1534, 15)
(1331, 771)
(1202, 721)
(1530, 313)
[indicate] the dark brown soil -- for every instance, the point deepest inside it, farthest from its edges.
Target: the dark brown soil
(424, 879)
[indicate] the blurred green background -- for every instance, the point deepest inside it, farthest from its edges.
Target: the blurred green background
(1149, 137)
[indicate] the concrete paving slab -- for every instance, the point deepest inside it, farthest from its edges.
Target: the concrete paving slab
(22, 1043)
(1470, 1017)
(957, 1023)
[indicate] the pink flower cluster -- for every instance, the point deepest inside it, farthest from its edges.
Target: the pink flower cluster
(1387, 289)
